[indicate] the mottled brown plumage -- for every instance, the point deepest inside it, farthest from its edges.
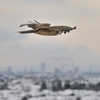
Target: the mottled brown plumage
(45, 29)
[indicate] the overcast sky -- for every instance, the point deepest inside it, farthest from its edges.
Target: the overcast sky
(28, 51)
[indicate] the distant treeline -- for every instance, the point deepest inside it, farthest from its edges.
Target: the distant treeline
(57, 85)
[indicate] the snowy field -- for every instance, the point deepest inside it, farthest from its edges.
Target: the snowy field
(17, 91)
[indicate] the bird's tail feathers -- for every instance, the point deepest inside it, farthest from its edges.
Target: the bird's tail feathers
(26, 32)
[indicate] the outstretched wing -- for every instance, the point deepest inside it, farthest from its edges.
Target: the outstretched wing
(31, 25)
(36, 25)
(63, 28)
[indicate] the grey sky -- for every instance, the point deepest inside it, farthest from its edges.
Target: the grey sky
(82, 45)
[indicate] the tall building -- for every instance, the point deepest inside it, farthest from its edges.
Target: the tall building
(9, 70)
(43, 69)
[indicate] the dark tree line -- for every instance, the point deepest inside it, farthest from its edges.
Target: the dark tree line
(57, 85)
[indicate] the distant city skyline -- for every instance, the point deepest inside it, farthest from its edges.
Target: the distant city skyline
(66, 68)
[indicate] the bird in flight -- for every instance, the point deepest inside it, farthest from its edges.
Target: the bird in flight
(45, 29)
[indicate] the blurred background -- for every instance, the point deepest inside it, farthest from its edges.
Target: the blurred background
(66, 66)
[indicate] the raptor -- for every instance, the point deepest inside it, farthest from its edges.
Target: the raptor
(46, 29)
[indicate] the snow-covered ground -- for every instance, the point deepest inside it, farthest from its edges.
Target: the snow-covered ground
(19, 88)
(18, 91)
(49, 95)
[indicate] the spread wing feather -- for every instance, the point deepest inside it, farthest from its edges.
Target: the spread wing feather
(32, 25)
(36, 26)
(63, 28)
